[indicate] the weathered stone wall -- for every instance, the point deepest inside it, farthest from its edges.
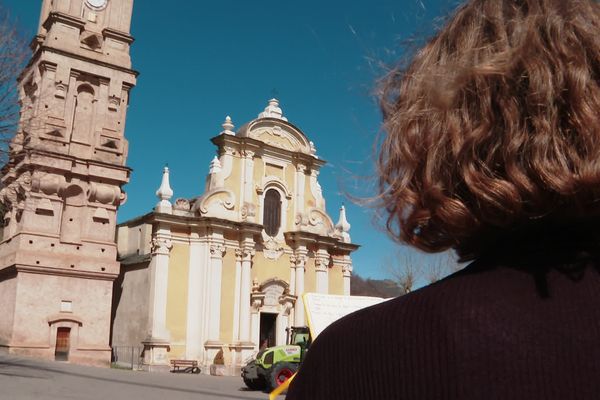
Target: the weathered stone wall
(8, 291)
(130, 306)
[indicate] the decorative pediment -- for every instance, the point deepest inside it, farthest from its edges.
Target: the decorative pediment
(270, 181)
(316, 221)
(273, 289)
(215, 203)
(277, 133)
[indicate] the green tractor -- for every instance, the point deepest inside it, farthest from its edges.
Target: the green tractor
(274, 365)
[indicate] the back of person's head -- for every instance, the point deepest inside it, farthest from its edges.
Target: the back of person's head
(494, 124)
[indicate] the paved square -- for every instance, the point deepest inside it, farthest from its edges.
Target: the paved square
(30, 379)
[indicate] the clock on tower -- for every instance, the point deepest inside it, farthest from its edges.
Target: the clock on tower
(96, 4)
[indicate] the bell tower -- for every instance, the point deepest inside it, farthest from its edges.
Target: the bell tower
(62, 185)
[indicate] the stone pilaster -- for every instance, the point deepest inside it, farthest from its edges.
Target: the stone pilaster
(236, 301)
(345, 263)
(248, 185)
(244, 346)
(214, 344)
(197, 286)
(322, 259)
(300, 186)
(292, 287)
(245, 289)
(347, 274)
(301, 254)
(157, 343)
(256, 304)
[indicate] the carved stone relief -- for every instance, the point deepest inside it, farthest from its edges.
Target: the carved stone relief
(276, 138)
(272, 293)
(182, 204)
(217, 250)
(315, 221)
(248, 212)
(161, 245)
(50, 184)
(273, 249)
(14, 194)
(104, 194)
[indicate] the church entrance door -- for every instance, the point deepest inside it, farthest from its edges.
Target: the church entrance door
(268, 330)
(63, 343)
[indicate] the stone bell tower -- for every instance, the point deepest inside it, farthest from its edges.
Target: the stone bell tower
(62, 185)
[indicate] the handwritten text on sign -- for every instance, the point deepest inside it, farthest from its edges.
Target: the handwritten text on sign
(324, 309)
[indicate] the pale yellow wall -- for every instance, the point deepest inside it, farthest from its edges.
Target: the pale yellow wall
(290, 171)
(233, 181)
(274, 170)
(177, 297)
(258, 173)
(290, 217)
(336, 280)
(309, 198)
(264, 269)
(227, 296)
(310, 278)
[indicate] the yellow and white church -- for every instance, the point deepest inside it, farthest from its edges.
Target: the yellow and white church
(216, 277)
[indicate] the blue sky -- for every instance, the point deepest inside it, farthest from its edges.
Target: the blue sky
(202, 60)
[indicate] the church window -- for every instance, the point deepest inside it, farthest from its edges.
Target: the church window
(272, 212)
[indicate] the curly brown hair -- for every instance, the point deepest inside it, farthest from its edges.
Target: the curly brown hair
(493, 124)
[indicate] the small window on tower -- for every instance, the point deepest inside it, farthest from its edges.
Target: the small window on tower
(272, 212)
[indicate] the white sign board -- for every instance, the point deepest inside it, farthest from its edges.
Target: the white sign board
(324, 309)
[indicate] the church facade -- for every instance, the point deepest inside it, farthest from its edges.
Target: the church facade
(62, 185)
(216, 277)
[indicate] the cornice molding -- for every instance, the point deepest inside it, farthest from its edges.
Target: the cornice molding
(72, 273)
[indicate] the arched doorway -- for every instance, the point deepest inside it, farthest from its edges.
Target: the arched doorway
(271, 306)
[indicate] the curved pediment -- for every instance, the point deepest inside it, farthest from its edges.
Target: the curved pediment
(315, 221)
(215, 203)
(277, 133)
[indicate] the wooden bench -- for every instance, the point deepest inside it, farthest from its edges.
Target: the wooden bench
(185, 366)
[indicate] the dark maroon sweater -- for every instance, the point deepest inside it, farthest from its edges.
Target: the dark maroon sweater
(528, 329)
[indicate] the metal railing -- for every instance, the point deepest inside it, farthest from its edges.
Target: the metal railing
(127, 357)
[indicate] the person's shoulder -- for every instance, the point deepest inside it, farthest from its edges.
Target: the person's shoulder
(346, 358)
(351, 350)
(406, 314)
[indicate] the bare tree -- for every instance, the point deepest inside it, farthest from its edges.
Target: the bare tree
(442, 265)
(14, 53)
(404, 270)
(436, 271)
(408, 270)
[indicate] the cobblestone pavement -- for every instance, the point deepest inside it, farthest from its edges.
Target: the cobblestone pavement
(30, 379)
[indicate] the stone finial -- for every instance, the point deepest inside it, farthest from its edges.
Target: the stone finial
(215, 177)
(343, 227)
(215, 166)
(228, 127)
(164, 193)
(273, 111)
